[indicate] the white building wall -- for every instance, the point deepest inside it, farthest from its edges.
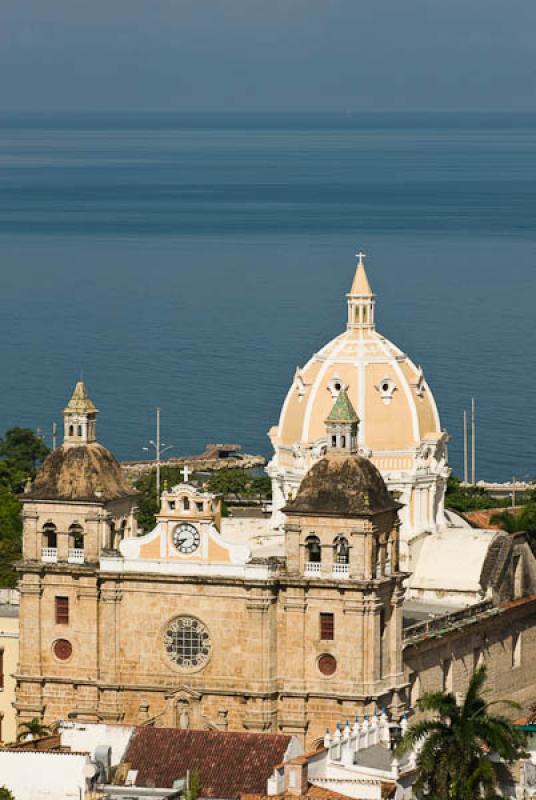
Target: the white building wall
(31, 775)
(88, 736)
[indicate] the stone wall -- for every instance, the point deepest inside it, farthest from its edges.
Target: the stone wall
(504, 640)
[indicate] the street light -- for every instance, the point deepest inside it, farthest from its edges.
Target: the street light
(159, 448)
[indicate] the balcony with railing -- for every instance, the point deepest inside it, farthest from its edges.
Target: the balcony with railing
(313, 569)
(49, 554)
(341, 570)
(75, 555)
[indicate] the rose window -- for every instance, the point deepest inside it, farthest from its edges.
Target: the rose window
(187, 642)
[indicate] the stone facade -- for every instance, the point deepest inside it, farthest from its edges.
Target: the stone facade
(180, 627)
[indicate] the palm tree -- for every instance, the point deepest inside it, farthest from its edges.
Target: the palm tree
(453, 746)
(32, 729)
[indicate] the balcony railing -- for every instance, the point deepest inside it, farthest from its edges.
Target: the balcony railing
(313, 568)
(75, 556)
(49, 554)
(341, 570)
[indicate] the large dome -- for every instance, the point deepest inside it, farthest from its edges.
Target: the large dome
(399, 428)
(394, 403)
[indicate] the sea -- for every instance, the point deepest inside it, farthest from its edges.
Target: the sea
(192, 261)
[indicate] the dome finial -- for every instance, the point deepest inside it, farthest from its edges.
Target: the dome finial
(360, 298)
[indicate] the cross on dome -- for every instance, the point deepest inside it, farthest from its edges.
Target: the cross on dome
(360, 256)
(185, 472)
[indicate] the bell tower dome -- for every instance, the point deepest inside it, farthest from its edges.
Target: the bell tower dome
(80, 418)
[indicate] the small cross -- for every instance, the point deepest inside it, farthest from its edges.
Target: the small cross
(185, 471)
(360, 256)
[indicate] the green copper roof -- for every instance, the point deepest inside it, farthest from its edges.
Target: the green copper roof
(343, 410)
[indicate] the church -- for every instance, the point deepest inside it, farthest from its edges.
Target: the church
(330, 612)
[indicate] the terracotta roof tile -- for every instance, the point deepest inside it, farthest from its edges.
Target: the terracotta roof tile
(311, 793)
(229, 764)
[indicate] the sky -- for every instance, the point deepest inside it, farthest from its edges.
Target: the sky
(267, 55)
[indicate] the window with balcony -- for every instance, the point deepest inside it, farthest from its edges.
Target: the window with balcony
(62, 610)
(49, 550)
(327, 626)
(76, 544)
(313, 555)
(341, 559)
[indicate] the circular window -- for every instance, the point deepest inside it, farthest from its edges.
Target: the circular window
(187, 642)
(338, 387)
(327, 664)
(385, 387)
(62, 649)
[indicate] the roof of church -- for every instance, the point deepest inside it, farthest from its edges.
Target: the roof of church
(342, 485)
(361, 285)
(229, 763)
(343, 410)
(80, 401)
(87, 472)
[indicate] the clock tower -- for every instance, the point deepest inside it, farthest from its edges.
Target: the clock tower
(187, 531)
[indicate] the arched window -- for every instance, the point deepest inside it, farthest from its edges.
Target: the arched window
(50, 535)
(343, 441)
(342, 550)
(76, 536)
(185, 503)
(334, 441)
(80, 430)
(314, 552)
(71, 430)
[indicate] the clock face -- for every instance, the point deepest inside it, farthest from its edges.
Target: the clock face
(186, 538)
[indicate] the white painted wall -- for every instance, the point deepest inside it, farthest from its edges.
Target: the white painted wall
(32, 775)
(88, 736)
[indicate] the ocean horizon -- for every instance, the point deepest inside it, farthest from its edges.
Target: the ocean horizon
(192, 260)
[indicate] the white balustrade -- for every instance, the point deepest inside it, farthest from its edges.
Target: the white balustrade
(341, 570)
(76, 555)
(313, 568)
(49, 554)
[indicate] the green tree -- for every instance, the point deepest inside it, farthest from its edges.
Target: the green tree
(230, 482)
(469, 498)
(193, 785)
(262, 486)
(5, 794)
(21, 453)
(34, 728)
(453, 761)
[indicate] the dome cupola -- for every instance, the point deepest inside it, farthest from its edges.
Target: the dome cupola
(361, 299)
(80, 417)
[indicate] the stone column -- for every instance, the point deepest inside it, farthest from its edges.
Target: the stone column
(31, 538)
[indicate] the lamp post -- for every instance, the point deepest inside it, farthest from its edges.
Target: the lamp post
(159, 448)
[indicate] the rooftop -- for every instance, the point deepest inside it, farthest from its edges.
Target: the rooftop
(229, 764)
(342, 485)
(86, 472)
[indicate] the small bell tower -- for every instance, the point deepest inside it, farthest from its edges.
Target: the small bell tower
(361, 300)
(80, 418)
(342, 426)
